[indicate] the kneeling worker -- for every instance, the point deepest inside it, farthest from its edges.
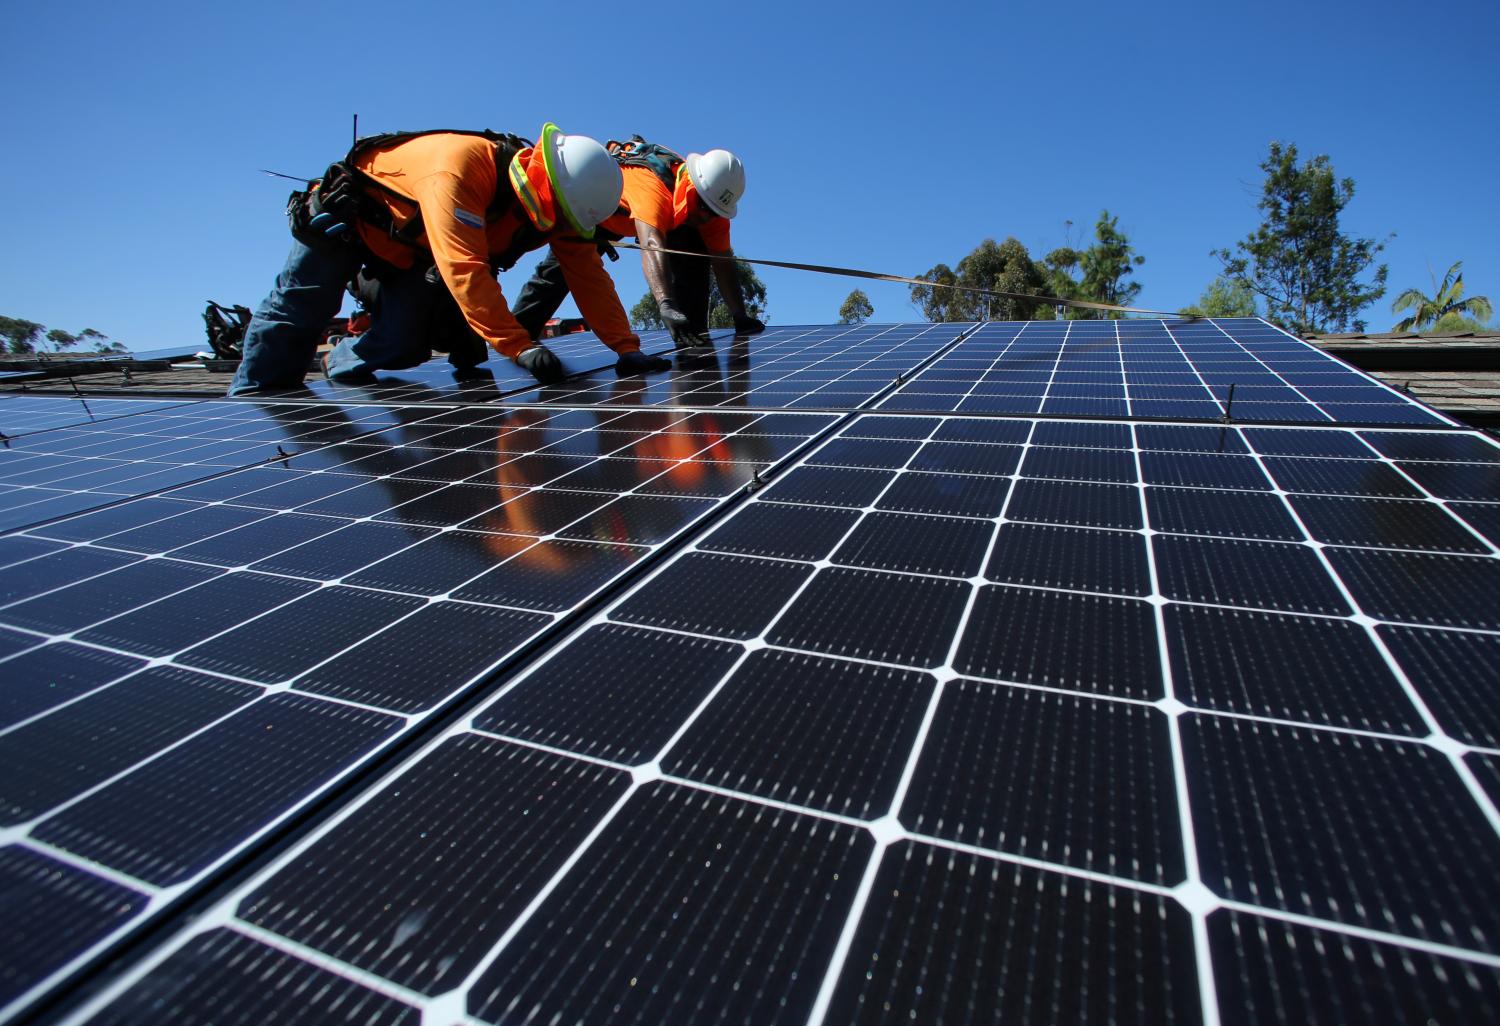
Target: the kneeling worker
(673, 202)
(463, 203)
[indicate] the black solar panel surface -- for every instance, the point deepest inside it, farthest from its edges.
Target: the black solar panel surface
(959, 718)
(185, 670)
(839, 367)
(1152, 369)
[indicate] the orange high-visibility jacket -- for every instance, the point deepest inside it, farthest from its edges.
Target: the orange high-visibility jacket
(649, 201)
(452, 179)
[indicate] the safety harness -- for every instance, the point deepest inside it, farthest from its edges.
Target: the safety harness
(327, 210)
(656, 158)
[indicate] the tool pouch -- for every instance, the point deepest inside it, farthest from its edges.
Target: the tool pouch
(323, 215)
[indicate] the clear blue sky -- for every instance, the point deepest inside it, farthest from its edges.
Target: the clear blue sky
(890, 137)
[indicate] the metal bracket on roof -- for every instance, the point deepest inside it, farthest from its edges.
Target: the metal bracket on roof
(755, 484)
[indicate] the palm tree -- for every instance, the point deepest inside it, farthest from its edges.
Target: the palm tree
(1446, 300)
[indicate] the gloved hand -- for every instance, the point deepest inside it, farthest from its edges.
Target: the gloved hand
(679, 326)
(748, 325)
(542, 363)
(637, 362)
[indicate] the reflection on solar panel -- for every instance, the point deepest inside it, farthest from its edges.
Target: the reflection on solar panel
(838, 368)
(436, 380)
(579, 713)
(25, 414)
(52, 473)
(1152, 369)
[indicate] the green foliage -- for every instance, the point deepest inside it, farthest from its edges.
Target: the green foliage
(1098, 273)
(645, 316)
(1307, 270)
(20, 335)
(100, 341)
(1058, 269)
(751, 288)
(856, 309)
(1108, 263)
(1455, 323)
(61, 339)
(1223, 298)
(938, 303)
(1447, 301)
(1004, 267)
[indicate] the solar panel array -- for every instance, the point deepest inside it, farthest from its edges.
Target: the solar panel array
(571, 711)
(1152, 369)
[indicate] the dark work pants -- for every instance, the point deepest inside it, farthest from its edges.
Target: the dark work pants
(689, 277)
(409, 317)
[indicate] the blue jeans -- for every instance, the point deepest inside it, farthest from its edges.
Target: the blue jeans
(289, 323)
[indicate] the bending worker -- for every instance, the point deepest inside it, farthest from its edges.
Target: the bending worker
(462, 204)
(676, 203)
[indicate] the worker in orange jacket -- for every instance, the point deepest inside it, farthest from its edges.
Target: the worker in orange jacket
(672, 202)
(434, 215)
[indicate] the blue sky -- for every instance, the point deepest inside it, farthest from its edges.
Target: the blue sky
(888, 137)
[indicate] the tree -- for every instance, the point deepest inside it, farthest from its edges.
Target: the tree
(1223, 298)
(1003, 267)
(856, 308)
(1307, 270)
(101, 341)
(20, 335)
(938, 303)
(751, 288)
(645, 316)
(61, 340)
(1108, 263)
(1446, 301)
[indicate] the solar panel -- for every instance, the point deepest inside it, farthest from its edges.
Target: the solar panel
(436, 381)
(137, 447)
(25, 414)
(839, 368)
(247, 641)
(1152, 369)
(1070, 716)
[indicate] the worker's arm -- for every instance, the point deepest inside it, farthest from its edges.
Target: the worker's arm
(594, 292)
(654, 267)
(734, 297)
(453, 209)
(653, 261)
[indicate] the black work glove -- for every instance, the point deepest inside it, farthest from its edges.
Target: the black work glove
(637, 362)
(679, 326)
(542, 363)
(748, 325)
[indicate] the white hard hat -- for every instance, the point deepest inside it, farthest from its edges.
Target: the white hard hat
(586, 181)
(719, 178)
